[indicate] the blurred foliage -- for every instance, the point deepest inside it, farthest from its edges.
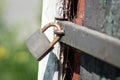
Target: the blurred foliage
(15, 61)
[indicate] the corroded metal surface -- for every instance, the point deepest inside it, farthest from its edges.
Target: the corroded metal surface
(79, 19)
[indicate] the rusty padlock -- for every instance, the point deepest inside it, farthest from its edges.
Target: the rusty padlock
(39, 45)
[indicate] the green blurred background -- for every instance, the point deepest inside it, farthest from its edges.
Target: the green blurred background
(16, 62)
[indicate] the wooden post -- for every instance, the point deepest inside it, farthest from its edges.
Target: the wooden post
(48, 66)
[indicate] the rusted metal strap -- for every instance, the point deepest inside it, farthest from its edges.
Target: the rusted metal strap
(97, 44)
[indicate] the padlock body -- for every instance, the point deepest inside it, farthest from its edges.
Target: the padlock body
(38, 45)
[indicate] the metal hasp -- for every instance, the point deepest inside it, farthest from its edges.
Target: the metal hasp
(97, 44)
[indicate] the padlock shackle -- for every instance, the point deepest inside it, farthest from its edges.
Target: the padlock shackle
(57, 36)
(51, 25)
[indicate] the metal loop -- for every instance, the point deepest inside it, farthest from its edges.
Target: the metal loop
(57, 36)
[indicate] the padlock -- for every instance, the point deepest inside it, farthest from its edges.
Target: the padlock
(39, 45)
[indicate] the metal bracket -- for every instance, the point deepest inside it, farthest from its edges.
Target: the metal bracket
(92, 42)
